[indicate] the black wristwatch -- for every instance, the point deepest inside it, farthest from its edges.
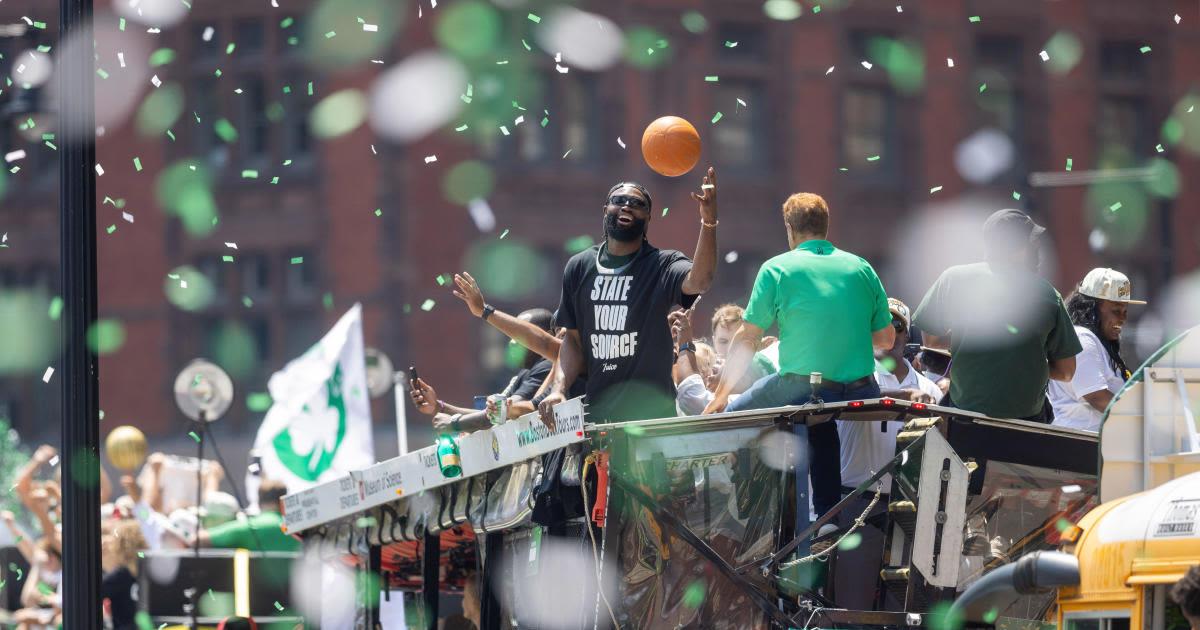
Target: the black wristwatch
(687, 345)
(488, 309)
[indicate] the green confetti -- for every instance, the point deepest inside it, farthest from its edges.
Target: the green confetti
(427, 305)
(249, 174)
(1062, 525)
(526, 45)
(711, 78)
(229, 48)
(296, 260)
(247, 302)
(934, 189)
(974, 18)
(217, 72)
(503, 234)
(545, 121)
(137, 163)
(717, 117)
(287, 89)
(287, 21)
(225, 130)
(566, 154)
(141, 555)
(211, 596)
(991, 615)
(310, 88)
(535, 19)
(461, 128)
(1158, 147)
(121, 24)
(729, 44)
(817, 8)
(258, 401)
(1145, 49)
(1016, 195)
(161, 57)
(873, 158)
(1069, 164)
(441, 280)
(102, 73)
(278, 606)
(51, 145)
(112, 228)
(378, 212)
(665, 211)
(275, 180)
(330, 35)
(982, 88)
(327, 301)
(1116, 206)
(852, 541)
(1012, 329)
(227, 258)
(693, 595)
(194, 436)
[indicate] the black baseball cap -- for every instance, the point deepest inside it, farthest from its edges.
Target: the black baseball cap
(1011, 227)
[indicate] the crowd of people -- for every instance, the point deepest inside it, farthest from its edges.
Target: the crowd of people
(141, 518)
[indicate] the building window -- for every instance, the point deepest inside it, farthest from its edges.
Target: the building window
(206, 50)
(303, 330)
(1122, 124)
(207, 107)
(576, 102)
(256, 276)
(740, 135)
(741, 42)
(297, 140)
(1122, 61)
(998, 72)
(213, 269)
(300, 275)
(250, 37)
(253, 130)
(867, 119)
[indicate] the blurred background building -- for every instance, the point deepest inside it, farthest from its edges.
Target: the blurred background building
(262, 168)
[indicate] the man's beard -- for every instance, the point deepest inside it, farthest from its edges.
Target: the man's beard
(625, 234)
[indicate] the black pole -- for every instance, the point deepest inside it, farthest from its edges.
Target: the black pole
(197, 574)
(431, 558)
(80, 375)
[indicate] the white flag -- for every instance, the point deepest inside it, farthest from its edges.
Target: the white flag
(319, 424)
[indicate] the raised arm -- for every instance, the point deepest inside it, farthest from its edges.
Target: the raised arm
(24, 485)
(738, 358)
(24, 544)
(570, 365)
(523, 332)
(153, 490)
(704, 262)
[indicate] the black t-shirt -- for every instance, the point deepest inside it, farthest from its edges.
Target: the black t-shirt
(528, 381)
(621, 316)
(120, 588)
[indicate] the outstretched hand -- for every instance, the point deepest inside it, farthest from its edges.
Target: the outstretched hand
(424, 397)
(708, 197)
(546, 409)
(468, 291)
(680, 322)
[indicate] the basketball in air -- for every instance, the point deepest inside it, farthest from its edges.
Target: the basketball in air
(671, 146)
(126, 447)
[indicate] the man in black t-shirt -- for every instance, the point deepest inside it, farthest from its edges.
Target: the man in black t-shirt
(614, 306)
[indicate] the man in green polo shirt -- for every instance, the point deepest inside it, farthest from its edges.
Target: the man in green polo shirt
(261, 529)
(832, 313)
(1006, 327)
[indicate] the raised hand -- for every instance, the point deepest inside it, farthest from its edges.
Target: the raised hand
(424, 397)
(468, 291)
(708, 197)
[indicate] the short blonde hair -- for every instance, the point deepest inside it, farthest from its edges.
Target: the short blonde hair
(806, 213)
(727, 315)
(706, 357)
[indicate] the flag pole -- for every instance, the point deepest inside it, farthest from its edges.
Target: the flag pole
(401, 412)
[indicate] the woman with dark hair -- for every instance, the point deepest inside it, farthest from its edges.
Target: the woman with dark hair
(1098, 308)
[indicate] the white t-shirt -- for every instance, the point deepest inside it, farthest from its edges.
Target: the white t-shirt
(691, 396)
(1093, 373)
(865, 447)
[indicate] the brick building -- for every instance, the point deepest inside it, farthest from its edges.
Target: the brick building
(312, 244)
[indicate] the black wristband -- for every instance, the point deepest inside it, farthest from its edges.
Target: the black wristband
(454, 423)
(687, 345)
(488, 309)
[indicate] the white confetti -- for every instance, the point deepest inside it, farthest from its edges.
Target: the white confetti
(154, 29)
(481, 213)
(47, 375)
(20, 68)
(13, 156)
(620, 142)
(183, 284)
(866, 64)
(231, 245)
(121, 59)
(27, 20)
(899, 9)
(742, 103)
(1072, 489)
(1177, 18)
(949, 62)
(53, 461)
(1044, 55)
(208, 33)
(829, 71)
(561, 69)
(156, 81)
(373, 151)
(430, 158)
(731, 257)
(371, 28)
(558, 57)
(504, 130)
(376, 61)
(128, 217)
(99, 170)
(519, 120)
(418, 11)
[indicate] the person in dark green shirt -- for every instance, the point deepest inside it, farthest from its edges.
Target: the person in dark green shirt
(262, 532)
(1006, 327)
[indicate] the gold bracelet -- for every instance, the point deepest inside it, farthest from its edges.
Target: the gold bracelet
(711, 225)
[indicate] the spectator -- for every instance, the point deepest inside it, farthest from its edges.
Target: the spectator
(725, 323)
(38, 596)
(1098, 308)
(934, 363)
(41, 498)
(262, 532)
(698, 367)
(157, 530)
(614, 304)
(520, 390)
(1003, 323)
(119, 548)
(832, 312)
(1186, 593)
(865, 449)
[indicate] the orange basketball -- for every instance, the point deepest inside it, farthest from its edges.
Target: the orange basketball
(671, 146)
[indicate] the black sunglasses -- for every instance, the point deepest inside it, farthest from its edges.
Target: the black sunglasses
(898, 324)
(636, 203)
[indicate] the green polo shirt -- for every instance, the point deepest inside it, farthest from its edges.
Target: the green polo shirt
(236, 534)
(827, 302)
(1004, 324)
